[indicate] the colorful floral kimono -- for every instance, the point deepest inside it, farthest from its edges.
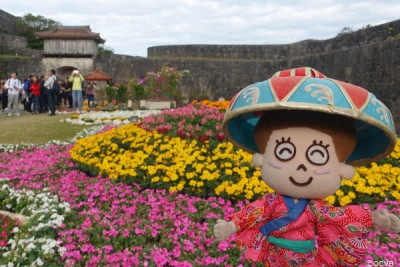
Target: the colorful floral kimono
(322, 235)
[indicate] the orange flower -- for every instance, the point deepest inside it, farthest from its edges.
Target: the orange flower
(222, 105)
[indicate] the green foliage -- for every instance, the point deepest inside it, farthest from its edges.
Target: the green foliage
(162, 84)
(136, 89)
(106, 50)
(344, 31)
(29, 24)
(122, 94)
(111, 92)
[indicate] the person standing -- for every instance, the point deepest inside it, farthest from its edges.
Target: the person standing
(77, 79)
(35, 89)
(90, 93)
(14, 87)
(4, 95)
(43, 100)
(66, 94)
(27, 97)
(51, 79)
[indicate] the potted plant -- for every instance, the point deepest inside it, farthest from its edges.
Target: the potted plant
(100, 95)
(122, 96)
(111, 93)
(160, 89)
(136, 90)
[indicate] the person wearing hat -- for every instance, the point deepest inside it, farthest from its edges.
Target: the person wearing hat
(306, 132)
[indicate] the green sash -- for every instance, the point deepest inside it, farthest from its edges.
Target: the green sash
(300, 246)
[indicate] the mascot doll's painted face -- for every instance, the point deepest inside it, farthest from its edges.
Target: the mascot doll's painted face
(303, 157)
(305, 132)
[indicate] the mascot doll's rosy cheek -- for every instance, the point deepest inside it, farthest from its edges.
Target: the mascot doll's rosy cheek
(306, 132)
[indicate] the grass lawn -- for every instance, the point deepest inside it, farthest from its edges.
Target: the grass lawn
(9, 56)
(35, 129)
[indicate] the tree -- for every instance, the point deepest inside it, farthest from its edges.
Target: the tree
(106, 50)
(345, 30)
(29, 24)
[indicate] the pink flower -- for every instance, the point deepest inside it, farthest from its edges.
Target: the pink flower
(223, 246)
(154, 233)
(139, 231)
(125, 233)
(108, 249)
(176, 252)
(87, 223)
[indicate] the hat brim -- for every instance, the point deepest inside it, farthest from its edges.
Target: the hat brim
(375, 140)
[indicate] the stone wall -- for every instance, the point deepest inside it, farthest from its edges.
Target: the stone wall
(13, 44)
(7, 23)
(24, 67)
(364, 36)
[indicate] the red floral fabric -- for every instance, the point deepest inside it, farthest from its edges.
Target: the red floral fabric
(340, 233)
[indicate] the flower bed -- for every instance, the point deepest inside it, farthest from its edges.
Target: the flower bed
(109, 222)
(115, 224)
(221, 105)
(192, 121)
(152, 160)
(35, 243)
(101, 117)
(212, 168)
(7, 226)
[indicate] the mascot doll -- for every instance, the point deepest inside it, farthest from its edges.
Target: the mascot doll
(306, 132)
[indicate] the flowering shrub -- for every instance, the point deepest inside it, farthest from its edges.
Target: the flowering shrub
(33, 244)
(7, 226)
(109, 222)
(161, 85)
(221, 105)
(100, 117)
(192, 121)
(111, 92)
(153, 160)
(384, 246)
(113, 224)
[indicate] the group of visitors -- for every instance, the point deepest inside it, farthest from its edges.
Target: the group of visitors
(45, 93)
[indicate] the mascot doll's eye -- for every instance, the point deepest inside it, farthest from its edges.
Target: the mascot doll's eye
(285, 150)
(317, 153)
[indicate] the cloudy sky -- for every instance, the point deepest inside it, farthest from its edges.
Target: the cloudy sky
(130, 27)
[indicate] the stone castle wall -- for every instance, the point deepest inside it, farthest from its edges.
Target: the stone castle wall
(369, 58)
(8, 23)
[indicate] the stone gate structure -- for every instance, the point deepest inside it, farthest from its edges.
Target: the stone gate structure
(69, 47)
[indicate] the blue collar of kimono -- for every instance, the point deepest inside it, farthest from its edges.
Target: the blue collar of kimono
(294, 211)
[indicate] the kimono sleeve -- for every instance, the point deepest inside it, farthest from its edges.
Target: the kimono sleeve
(254, 213)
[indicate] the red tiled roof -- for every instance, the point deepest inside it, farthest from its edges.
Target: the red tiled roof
(70, 32)
(97, 76)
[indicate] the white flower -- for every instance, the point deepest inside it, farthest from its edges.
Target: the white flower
(15, 230)
(30, 246)
(39, 262)
(10, 264)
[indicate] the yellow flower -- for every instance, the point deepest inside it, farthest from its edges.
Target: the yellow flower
(180, 164)
(331, 199)
(344, 201)
(339, 193)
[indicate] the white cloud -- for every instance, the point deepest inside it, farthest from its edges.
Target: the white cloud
(130, 27)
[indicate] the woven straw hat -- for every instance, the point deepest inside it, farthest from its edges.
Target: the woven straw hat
(308, 89)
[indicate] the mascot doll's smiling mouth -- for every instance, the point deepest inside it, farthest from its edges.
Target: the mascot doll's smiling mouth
(293, 181)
